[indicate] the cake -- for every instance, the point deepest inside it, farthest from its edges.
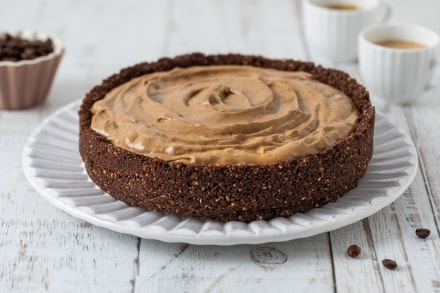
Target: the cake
(227, 137)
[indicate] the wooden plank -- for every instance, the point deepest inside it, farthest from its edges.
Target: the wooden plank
(413, 12)
(254, 28)
(358, 274)
(246, 27)
(419, 206)
(302, 265)
(43, 248)
(391, 232)
(18, 15)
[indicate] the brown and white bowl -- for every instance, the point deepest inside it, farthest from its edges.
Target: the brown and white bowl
(26, 83)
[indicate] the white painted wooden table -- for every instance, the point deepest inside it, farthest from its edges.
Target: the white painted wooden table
(45, 249)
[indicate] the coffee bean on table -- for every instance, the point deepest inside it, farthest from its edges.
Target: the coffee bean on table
(353, 250)
(389, 264)
(422, 232)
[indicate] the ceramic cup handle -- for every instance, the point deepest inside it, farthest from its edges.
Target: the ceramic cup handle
(434, 66)
(387, 12)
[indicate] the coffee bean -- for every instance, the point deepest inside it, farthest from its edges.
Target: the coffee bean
(389, 264)
(353, 250)
(422, 232)
(16, 49)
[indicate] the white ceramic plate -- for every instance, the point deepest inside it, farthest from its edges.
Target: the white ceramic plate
(53, 166)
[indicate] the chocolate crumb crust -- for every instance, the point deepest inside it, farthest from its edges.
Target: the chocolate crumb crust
(242, 192)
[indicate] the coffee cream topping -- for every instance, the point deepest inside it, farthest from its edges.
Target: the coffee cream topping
(225, 115)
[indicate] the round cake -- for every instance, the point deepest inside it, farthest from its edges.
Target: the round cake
(227, 137)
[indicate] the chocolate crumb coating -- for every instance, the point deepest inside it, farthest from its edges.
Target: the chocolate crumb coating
(244, 192)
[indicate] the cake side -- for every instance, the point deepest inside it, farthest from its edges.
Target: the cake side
(229, 192)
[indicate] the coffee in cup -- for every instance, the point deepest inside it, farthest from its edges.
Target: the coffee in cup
(332, 27)
(344, 6)
(397, 62)
(400, 44)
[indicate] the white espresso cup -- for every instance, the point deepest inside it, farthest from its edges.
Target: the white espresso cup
(332, 27)
(397, 62)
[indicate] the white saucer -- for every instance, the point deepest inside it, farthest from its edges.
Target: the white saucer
(53, 166)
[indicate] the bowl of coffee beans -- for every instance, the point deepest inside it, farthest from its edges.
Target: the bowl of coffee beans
(28, 64)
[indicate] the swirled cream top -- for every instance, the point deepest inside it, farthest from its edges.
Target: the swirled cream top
(224, 115)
